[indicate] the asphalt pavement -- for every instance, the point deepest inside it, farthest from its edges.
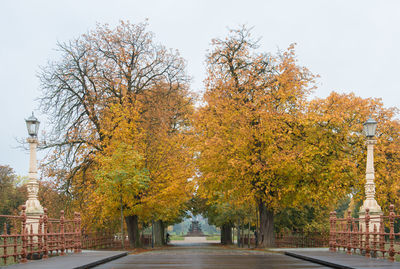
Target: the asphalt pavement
(340, 259)
(200, 253)
(195, 254)
(86, 259)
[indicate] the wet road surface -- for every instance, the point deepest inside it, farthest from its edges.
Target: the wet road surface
(203, 255)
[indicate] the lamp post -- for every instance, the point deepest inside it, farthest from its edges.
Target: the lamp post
(370, 202)
(33, 207)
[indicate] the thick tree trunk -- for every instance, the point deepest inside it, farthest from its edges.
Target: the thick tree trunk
(133, 230)
(159, 238)
(266, 238)
(242, 235)
(226, 234)
(222, 234)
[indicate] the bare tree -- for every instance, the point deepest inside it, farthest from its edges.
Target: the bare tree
(100, 68)
(95, 70)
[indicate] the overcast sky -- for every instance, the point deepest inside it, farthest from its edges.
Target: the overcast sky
(353, 45)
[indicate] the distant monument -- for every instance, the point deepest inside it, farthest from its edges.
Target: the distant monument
(195, 229)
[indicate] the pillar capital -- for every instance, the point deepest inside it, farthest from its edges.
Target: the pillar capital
(371, 142)
(32, 140)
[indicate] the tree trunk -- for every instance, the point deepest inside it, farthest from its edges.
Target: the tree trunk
(248, 237)
(226, 234)
(257, 232)
(133, 230)
(238, 233)
(122, 225)
(159, 239)
(266, 238)
(242, 235)
(223, 235)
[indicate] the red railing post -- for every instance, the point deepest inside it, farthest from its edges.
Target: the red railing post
(334, 231)
(45, 238)
(83, 240)
(77, 222)
(23, 235)
(374, 249)
(50, 237)
(361, 238)
(40, 234)
(31, 241)
(75, 232)
(355, 236)
(343, 234)
(5, 244)
(62, 233)
(382, 236)
(73, 237)
(15, 241)
(349, 243)
(79, 234)
(391, 236)
(367, 247)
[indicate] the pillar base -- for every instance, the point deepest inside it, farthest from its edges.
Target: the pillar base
(33, 212)
(375, 212)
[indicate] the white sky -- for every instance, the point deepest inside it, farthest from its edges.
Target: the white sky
(353, 45)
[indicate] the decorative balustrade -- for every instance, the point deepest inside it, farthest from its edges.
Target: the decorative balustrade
(19, 242)
(99, 240)
(371, 235)
(294, 239)
(107, 240)
(301, 240)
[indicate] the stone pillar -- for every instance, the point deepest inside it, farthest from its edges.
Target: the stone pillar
(374, 209)
(33, 207)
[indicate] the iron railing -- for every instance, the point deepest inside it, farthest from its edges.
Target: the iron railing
(301, 240)
(293, 239)
(107, 240)
(370, 235)
(19, 242)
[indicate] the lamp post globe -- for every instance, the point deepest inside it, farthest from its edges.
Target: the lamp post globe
(32, 124)
(370, 128)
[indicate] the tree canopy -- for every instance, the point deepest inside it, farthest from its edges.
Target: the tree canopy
(119, 105)
(128, 135)
(261, 140)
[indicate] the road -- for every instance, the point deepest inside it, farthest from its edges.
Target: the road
(190, 254)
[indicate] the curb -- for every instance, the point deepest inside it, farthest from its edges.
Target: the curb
(318, 261)
(105, 260)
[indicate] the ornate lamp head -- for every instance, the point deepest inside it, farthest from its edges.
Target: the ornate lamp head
(32, 124)
(370, 128)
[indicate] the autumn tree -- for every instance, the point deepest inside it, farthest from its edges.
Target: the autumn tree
(260, 140)
(335, 136)
(55, 199)
(99, 100)
(166, 147)
(12, 195)
(334, 155)
(248, 127)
